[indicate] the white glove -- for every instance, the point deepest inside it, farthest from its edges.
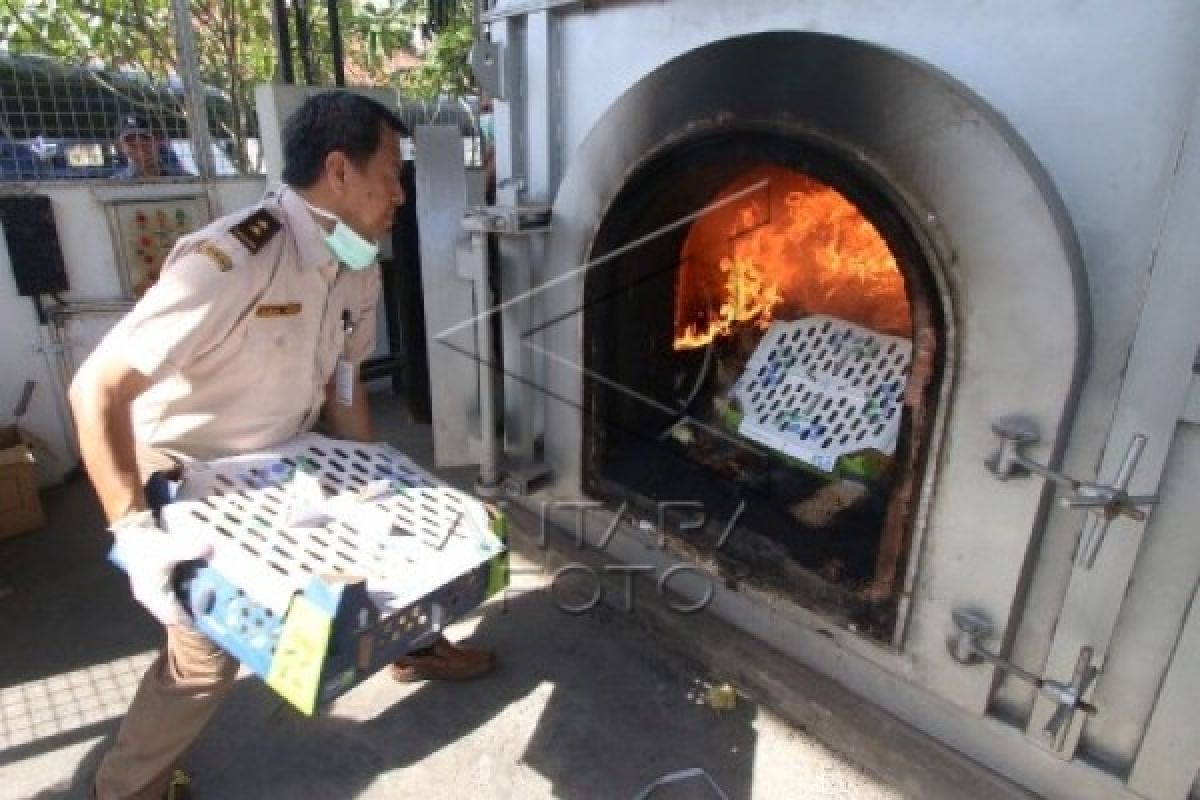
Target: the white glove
(149, 555)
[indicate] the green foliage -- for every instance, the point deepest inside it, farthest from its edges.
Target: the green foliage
(120, 34)
(236, 49)
(233, 42)
(445, 70)
(375, 30)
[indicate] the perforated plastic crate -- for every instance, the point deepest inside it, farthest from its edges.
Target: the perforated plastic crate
(315, 589)
(821, 388)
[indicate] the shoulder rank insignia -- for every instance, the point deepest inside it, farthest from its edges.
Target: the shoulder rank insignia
(256, 230)
(224, 262)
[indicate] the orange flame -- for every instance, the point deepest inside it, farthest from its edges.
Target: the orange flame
(790, 247)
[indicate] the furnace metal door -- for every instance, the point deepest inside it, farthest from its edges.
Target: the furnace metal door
(1136, 606)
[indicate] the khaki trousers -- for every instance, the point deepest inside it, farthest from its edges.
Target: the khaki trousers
(177, 697)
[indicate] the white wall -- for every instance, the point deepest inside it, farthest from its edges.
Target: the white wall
(91, 262)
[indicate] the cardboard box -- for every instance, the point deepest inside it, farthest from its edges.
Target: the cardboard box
(20, 505)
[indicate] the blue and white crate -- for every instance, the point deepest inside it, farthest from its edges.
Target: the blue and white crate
(820, 388)
(331, 560)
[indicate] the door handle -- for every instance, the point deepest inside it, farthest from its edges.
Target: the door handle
(1102, 502)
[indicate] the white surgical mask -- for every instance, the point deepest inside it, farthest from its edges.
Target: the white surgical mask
(351, 249)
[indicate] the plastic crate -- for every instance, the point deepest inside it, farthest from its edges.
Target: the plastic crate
(824, 391)
(315, 592)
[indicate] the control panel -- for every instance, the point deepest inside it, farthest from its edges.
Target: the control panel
(31, 233)
(146, 232)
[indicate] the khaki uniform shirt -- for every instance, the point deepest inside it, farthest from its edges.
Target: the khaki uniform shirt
(242, 333)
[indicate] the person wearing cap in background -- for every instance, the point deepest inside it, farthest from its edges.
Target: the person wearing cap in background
(254, 332)
(487, 142)
(142, 149)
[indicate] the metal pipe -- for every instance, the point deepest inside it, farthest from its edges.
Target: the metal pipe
(304, 40)
(1005, 664)
(193, 90)
(51, 343)
(283, 40)
(1056, 478)
(335, 44)
(477, 25)
(519, 8)
(1130, 462)
(75, 309)
(489, 441)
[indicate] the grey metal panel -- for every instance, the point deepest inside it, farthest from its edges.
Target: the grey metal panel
(512, 135)
(518, 276)
(835, 652)
(937, 145)
(1101, 91)
(535, 115)
(543, 106)
(1152, 399)
(1191, 409)
(449, 298)
(509, 9)
(1163, 590)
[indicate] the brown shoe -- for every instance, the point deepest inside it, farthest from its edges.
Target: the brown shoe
(444, 661)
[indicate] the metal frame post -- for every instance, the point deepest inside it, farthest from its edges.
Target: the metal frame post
(283, 40)
(193, 90)
(335, 44)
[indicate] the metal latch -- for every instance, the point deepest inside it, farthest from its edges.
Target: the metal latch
(508, 220)
(480, 222)
(523, 481)
(966, 648)
(487, 63)
(1104, 502)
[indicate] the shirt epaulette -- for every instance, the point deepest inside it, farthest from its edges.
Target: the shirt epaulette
(223, 261)
(256, 230)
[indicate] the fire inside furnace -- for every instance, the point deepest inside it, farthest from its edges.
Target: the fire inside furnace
(805, 307)
(767, 365)
(778, 244)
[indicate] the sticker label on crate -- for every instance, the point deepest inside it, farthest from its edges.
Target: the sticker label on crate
(819, 388)
(295, 671)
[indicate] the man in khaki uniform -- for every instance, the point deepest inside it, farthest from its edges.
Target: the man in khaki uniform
(254, 331)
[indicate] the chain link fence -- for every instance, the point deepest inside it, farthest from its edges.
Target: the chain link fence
(94, 89)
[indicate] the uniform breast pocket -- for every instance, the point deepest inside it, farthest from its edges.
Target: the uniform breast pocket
(279, 353)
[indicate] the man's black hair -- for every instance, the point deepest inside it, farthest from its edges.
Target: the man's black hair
(333, 121)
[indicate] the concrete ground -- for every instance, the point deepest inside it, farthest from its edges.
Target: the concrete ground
(597, 705)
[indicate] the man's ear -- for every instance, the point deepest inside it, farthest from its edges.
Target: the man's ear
(335, 171)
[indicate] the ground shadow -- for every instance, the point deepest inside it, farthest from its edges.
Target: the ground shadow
(63, 607)
(609, 713)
